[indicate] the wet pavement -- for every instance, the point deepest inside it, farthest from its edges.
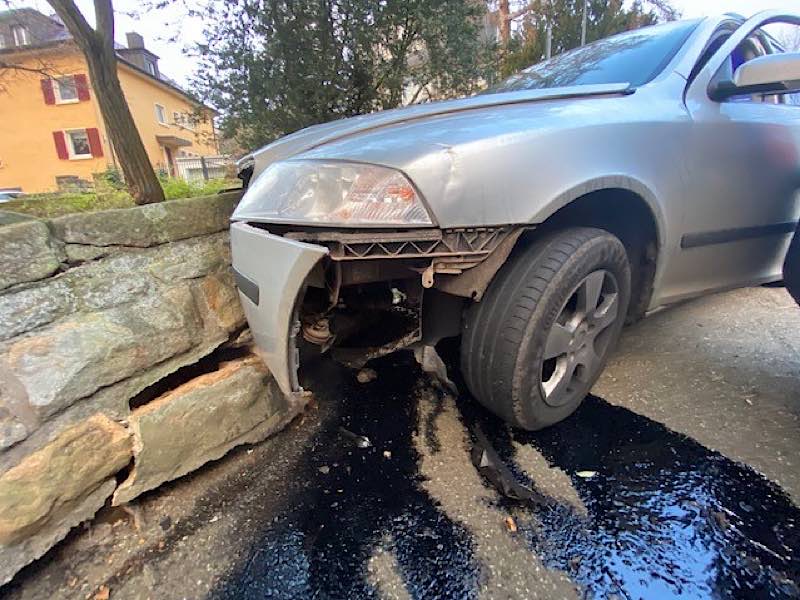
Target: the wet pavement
(630, 498)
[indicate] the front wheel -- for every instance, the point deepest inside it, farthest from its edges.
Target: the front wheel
(538, 340)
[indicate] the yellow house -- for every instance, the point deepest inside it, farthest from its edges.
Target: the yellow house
(52, 135)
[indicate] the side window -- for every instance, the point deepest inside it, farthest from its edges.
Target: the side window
(784, 38)
(753, 47)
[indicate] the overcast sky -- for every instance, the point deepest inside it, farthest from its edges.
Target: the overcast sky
(177, 61)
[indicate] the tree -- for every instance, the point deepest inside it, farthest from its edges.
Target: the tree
(604, 18)
(97, 46)
(273, 67)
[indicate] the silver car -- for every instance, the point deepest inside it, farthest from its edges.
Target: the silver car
(532, 220)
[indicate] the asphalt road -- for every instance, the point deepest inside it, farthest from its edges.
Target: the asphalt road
(678, 477)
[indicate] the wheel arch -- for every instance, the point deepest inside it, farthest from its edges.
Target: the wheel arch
(625, 207)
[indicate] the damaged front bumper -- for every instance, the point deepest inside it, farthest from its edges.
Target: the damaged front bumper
(271, 272)
(358, 294)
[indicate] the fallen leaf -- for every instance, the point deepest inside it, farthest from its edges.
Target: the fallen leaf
(511, 524)
(102, 593)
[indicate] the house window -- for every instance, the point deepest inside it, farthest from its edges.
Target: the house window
(78, 144)
(66, 89)
(21, 36)
(151, 67)
(161, 114)
(2, 41)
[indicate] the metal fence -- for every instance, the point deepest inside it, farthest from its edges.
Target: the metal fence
(203, 168)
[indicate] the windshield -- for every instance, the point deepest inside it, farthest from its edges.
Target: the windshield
(633, 57)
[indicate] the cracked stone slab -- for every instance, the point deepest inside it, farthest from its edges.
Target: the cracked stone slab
(201, 421)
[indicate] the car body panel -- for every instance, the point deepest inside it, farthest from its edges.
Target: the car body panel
(279, 267)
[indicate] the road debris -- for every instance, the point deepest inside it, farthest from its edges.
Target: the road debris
(586, 474)
(360, 441)
(494, 470)
(102, 593)
(366, 375)
(432, 364)
(387, 454)
(511, 524)
(324, 469)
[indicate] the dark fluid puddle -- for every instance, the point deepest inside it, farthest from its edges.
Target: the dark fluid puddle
(347, 501)
(667, 517)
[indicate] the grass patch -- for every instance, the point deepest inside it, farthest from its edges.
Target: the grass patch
(48, 206)
(53, 205)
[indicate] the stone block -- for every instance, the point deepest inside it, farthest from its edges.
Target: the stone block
(219, 302)
(26, 253)
(77, 356)
(15, 556)
(34, 306)
(42, 490)
(201, 421)
(148, 225)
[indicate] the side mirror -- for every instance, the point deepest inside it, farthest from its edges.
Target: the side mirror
(769, 74)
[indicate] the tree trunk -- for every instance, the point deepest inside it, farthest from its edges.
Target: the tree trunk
(504, 16)
(97, 46)
(139, 174)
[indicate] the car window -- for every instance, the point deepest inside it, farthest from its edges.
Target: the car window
(634, 57)
(760, 42)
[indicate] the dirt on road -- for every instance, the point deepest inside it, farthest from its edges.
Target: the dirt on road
(676, 478)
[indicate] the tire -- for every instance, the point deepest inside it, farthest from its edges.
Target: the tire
(538, 299)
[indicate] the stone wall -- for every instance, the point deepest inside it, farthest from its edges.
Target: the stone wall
(123, 363)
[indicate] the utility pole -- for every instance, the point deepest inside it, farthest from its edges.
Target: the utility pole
(583, 23)
(548, 44)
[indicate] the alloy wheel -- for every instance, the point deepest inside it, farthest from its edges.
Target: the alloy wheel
(579, 338)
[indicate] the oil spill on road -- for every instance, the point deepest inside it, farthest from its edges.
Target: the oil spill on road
(667, 517)
(347, 501)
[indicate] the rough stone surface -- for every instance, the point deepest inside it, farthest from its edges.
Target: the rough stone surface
(12, 430)
(8, 217)
(234, 405)
(44, 488)
(219, 303)
(148, 225)
(16, 555)
(75, 358)
(31, 307)
(26, 253)
(79, 253)
(96, 310)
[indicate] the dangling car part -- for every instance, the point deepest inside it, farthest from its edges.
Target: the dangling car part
(531, 220)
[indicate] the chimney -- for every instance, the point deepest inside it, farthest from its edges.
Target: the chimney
(138, 55)
(135, 41)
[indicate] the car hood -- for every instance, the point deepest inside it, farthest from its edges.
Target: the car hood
(325, 133)
(460, 154)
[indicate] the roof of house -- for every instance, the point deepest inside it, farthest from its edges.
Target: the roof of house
(48, 31)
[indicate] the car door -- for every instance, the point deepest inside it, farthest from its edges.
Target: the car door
(743, 159)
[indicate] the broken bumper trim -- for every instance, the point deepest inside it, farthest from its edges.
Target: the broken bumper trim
(278, 268)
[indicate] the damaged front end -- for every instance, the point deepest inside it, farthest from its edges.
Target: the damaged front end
(358, 295)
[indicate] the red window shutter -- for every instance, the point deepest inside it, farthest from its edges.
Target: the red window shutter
(61, 145)
(82, 86)
(94, 142)
(47, 91)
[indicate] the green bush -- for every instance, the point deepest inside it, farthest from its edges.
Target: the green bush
(107, 196)
(178, 188)
(58, 204)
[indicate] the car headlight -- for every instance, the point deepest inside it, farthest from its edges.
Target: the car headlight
(333, 193)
